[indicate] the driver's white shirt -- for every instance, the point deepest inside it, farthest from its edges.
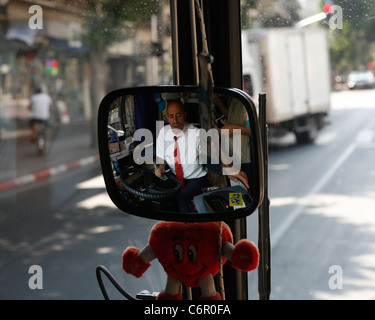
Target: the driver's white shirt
(189, 147)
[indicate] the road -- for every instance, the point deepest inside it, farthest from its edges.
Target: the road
(322, 221)
(67, 226)
(322, 207)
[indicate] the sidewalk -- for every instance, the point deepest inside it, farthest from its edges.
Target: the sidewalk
(20, 162)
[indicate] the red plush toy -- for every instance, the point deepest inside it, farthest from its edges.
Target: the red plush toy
(189, 254)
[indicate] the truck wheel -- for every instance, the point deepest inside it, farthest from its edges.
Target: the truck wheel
(310, 134)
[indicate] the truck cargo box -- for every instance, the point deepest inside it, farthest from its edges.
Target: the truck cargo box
(292, 67)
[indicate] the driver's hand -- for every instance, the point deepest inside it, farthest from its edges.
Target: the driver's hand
(160, 171)
(240, 176)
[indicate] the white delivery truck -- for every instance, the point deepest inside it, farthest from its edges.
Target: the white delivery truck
(292, 67)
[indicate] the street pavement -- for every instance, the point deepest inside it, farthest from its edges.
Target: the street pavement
(71, 146)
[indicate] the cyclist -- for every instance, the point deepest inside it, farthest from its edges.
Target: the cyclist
(41, 105)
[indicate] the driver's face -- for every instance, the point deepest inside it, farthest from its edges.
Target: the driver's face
(176, 115)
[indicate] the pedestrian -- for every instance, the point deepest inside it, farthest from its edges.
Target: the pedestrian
(40, 107)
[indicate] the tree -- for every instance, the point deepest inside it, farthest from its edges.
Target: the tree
(270, 13)
(344, 55)
(351, 47)
(105, 26)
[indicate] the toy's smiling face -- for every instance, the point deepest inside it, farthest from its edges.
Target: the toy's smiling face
(188, 251)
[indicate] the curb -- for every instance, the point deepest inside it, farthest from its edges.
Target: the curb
(44, 174)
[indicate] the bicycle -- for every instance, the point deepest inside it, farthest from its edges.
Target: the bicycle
(41, 136)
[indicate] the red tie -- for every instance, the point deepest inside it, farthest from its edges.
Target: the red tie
(177, 163)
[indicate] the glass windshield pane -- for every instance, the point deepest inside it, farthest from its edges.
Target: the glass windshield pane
(58, 59)
(315, 62)
(63, 46)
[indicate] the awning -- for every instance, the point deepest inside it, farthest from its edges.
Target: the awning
(22, 32)
(67, 46)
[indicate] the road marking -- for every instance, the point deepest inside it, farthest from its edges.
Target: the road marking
(364, 137)
(43, 174)
(305, 201)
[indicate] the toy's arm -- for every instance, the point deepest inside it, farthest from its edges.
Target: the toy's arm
(244, 255)
(135, 261)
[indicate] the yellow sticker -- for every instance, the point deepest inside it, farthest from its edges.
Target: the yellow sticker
(235, 199)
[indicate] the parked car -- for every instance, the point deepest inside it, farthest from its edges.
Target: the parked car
(361, 80)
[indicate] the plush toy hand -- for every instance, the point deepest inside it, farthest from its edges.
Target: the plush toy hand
(245, 256)
(132, 263)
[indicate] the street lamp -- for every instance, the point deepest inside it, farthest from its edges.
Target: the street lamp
(310, 20)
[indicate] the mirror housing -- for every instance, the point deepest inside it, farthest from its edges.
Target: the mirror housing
(129, 123)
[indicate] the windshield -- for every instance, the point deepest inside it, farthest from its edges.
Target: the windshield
(306, 55)
(59, 58)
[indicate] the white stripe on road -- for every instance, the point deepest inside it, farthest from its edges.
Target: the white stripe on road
(304, 202)
(364, 137)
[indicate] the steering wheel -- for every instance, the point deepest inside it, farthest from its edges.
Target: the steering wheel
(153, 187)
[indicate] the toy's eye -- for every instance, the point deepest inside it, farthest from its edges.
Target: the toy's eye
(192, 252)
(177, 251)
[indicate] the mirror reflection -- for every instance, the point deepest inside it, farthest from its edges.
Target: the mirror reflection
(170, 153)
